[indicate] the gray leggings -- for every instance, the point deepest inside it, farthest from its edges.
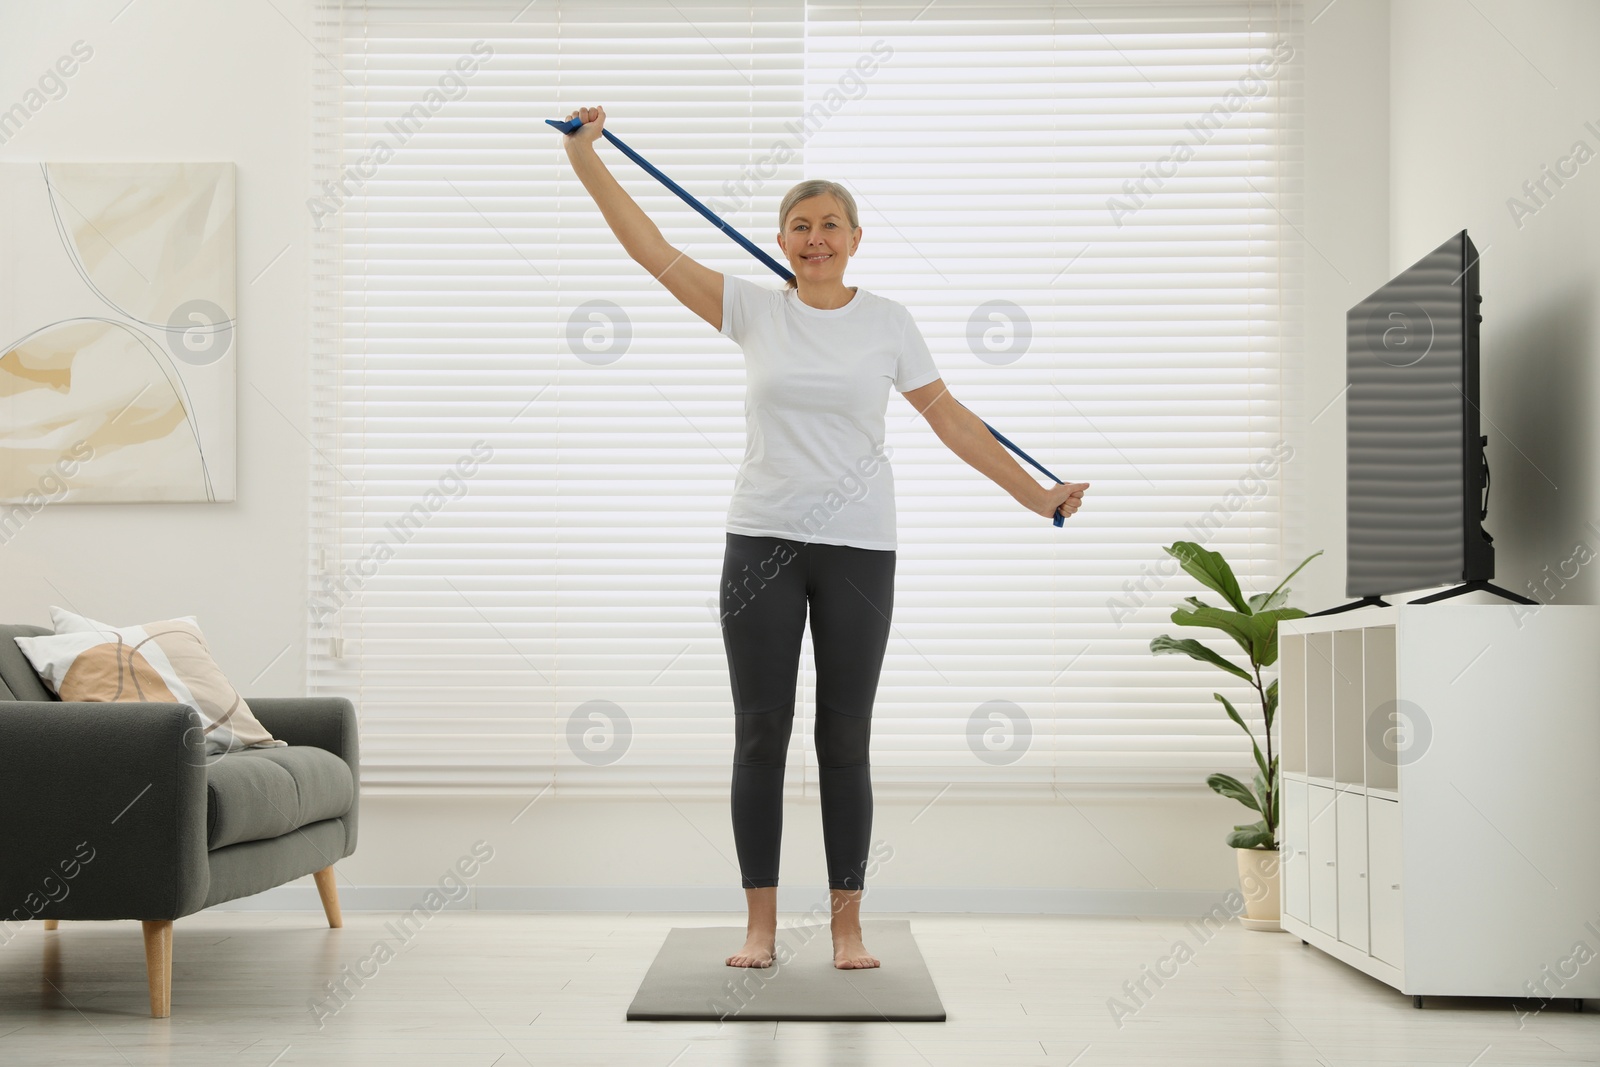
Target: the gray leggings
(766, 584)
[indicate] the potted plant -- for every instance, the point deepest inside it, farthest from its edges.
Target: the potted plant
(1253, 624)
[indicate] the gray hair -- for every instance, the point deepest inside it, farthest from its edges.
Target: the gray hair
(816, 187)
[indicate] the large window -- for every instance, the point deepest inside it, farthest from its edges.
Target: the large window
(525, 446)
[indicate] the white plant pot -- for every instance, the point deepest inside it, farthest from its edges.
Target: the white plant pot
(1258, 884)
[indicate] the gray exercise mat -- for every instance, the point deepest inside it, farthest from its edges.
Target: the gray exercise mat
(689, 979)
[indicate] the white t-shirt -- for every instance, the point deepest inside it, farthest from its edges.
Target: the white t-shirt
(816, 388)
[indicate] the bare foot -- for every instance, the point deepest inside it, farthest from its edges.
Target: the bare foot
(757, 952)
(849, 953)
(761, 929)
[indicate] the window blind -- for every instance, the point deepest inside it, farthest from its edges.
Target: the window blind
(525, 447)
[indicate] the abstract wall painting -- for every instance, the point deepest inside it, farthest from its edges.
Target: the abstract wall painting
(118, 353)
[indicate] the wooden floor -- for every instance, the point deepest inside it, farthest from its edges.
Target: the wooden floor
(499, 989)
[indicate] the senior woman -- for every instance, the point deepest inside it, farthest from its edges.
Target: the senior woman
(812, 517)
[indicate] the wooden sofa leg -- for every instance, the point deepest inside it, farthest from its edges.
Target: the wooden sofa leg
(51, 924)
(158, 962)
(328, 889)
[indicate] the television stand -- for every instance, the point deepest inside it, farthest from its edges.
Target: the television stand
(1472, 587)
(1364, 602)
(1400, 783)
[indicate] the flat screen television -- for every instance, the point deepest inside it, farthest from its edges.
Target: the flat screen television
(1417, 481)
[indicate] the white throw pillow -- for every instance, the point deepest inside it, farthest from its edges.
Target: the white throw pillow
(158, 661)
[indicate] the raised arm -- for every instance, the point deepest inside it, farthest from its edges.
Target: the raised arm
(697, 286)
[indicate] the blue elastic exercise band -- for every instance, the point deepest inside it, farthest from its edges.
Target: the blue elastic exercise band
(569, 125)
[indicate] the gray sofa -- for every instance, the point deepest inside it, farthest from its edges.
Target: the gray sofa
(113, 811)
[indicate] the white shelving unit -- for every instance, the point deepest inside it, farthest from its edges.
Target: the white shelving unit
(1441, 795)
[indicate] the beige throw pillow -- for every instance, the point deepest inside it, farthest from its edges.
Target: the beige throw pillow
(158, 661)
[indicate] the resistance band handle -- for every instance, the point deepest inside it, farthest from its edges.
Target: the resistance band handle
(568, 126)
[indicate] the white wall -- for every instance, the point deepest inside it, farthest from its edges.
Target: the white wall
(202, 82)
(1485, 96)
(1346, 229)
(187, 79)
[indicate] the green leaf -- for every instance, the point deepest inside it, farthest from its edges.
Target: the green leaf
(1284, 584)
(1188, 646)
(1271, 707)
(1269, 632)
(1236, 625)
(1210, 570)
(1255, 835)
(1267, 601)
(1231, 787)
(1261, 761)
(1232, 713)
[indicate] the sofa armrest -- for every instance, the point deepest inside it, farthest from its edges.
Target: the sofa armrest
(326, 722)
(102, 811)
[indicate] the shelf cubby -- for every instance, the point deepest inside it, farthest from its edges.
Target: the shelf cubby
(1383, 768)
(1319, 705)
(1349, 768)
(1291, 718)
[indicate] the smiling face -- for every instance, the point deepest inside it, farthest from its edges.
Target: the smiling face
(818, 240)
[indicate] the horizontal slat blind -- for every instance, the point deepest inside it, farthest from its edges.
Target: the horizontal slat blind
(565, 435)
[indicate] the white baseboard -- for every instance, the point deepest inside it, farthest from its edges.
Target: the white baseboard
(668, 899)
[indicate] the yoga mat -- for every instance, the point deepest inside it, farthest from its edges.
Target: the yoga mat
(689, 979)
